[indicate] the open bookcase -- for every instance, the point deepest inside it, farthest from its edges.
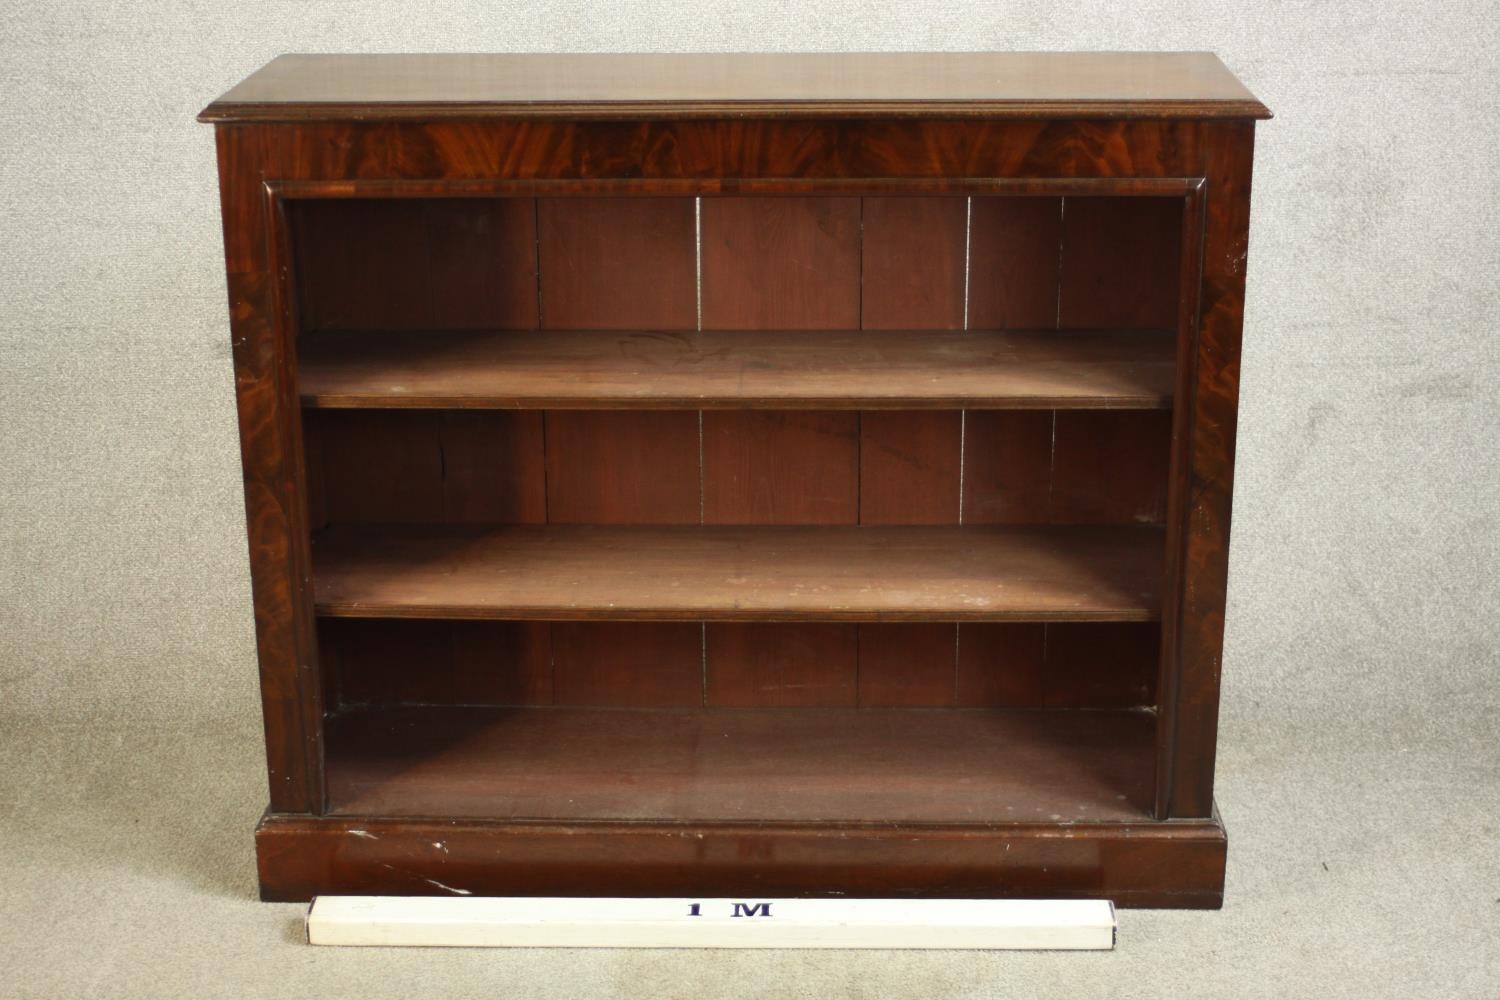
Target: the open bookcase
(646, 500)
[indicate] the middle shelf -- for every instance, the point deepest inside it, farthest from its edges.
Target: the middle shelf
(730, 573)
(761, 369)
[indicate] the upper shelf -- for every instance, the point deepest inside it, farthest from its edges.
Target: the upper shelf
(868, 369)
(764, 85)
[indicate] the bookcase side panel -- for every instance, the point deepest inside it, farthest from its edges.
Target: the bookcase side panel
(275, 490)
(1210, 414)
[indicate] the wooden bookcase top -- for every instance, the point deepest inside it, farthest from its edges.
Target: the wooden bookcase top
(305, 87)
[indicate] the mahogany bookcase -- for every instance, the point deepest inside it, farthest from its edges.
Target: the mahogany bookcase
(710, 475)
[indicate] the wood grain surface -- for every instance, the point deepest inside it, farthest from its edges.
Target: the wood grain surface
(759, 573)
(1136, 863)
(620, 85)
(870, 369)
(764, 765)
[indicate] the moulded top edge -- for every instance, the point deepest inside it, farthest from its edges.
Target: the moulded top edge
(1024, 85)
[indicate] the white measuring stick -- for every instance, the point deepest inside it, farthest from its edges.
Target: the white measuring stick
(739, 922)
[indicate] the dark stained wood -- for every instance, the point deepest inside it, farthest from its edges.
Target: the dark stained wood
(1066, 467)
(276, 512)
(757, 573)
(909, 473)
(421, 467)
(617, 263)
(903, 183)
(493, 468)
(907, 665)
(618, 85)
(1014, 251)
(914, 269)
(412, 264)
(1112, 470)
(780, 468)
(1032, 158)
(1120, 261)
(909, 467)
(1132, 191)
(1007, 468)
(695, 765)
(912, 264)
(638, 664)
(1101, 666)
(1124, 862)
(781, 665)
(602, 469)
(786, 467)
(379, 466)
(781, 263)
(1204, 484)
(902, 369)
(1002, 665)
(1057, 665)
(436, 663)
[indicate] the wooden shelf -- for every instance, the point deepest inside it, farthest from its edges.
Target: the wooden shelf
(864, 765)
(870, 369)
(763, 573)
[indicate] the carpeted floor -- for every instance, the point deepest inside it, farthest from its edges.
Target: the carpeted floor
(1362, 864)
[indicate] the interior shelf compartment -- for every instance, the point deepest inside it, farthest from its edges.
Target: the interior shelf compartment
(871, 369)
(759, 573)
(762, 765)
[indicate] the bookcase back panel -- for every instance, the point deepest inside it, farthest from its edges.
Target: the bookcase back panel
(415, 264)
(913, 265)
(425, 466)
(939, 262)
(737, 467)
(734, 665)
(617, 263)
(1119, 263)
(1066, 467)
(737, 262)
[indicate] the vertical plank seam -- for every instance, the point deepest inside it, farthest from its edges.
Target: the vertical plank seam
(442, 456)
(859, 699)
(698, 258)
(963, 423)
(859, 443)
(963, 414)
(968, 243)
(957, 652)
(860, 288)
(536, 232)
(859, 415)
(547, 519)
(698, 305)
(1062, 215)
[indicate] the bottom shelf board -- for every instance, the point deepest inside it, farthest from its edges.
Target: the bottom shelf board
(755, 765)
